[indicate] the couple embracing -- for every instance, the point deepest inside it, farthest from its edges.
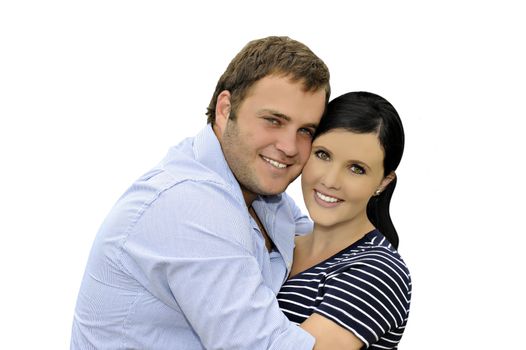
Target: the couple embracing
(206, 251)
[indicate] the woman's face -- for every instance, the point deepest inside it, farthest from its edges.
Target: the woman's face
(343, 172)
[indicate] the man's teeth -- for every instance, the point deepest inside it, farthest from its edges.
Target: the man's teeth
(326, 198)
(276, 164)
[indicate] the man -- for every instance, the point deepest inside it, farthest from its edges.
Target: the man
(193, 254)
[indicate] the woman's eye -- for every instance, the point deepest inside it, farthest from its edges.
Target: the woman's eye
(322, 155)
(356, 169)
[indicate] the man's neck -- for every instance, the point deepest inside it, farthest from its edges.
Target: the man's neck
(268, 242)
(249, 197)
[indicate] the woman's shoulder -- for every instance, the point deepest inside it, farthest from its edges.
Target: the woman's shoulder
(375, 260)
(374, 246)
(373, 272)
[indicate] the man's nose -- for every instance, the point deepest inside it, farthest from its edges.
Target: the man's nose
(288, 143)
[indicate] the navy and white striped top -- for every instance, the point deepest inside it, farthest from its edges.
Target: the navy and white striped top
(365, 288)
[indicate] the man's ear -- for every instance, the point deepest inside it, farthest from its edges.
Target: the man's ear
(385, 182)
(223, 108)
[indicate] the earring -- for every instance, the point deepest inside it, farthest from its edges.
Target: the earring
(377, 192)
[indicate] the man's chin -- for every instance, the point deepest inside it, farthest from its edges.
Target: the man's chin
(272, 190)
(268, 188)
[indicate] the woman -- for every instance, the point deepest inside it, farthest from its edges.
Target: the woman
(349, 286)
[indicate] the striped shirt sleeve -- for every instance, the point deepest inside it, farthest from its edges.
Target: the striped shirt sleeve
(369, 297)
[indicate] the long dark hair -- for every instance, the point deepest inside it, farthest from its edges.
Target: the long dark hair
(364, 112)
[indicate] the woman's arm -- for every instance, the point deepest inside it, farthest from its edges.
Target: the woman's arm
(329, 335)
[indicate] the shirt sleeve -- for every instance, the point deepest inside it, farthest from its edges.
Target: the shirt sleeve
(193, 248)
(366, 298)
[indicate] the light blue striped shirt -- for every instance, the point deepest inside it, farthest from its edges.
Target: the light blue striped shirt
(180, 264)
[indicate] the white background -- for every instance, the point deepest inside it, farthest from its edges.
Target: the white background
(93, 93)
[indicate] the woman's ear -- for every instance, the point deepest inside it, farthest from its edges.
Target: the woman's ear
(385, 182)
(223, 108)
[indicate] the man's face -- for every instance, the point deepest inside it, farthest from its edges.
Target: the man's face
(268, 143)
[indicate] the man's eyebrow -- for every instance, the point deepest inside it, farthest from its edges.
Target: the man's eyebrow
(311, 125)
(283, 116)
(275, 114)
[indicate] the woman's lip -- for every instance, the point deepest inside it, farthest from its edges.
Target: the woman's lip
(328, 195)
(324, 203)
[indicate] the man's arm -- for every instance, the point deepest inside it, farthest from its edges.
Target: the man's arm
(330, 335)
(193, 248)
(361, 304)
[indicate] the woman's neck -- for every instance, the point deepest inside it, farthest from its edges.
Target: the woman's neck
(328, 240)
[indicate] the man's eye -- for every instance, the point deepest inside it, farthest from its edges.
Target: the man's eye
(322, 155)
(307, 132)
(273, 121)
(356, 169)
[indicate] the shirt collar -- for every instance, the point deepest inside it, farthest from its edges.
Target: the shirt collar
(207, 150)
(279, 223)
